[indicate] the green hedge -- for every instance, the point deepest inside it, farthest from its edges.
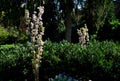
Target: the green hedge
(98, 61)
(15, 63)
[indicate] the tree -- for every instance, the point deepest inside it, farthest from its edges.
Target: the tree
(51, 19)
(58, 18)
(12, 12)
(70, 14)
(96, 13)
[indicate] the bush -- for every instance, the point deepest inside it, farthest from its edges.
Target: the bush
(3, 34)
(98, 61)
(12, 36)
(15, 63)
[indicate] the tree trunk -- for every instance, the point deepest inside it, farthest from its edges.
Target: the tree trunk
(68, 24)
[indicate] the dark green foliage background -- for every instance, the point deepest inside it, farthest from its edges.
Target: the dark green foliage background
(98, 61)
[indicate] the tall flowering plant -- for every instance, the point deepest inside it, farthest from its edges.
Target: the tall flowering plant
(35, 30)
(83, 35)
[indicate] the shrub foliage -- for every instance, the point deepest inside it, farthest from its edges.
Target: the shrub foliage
(98, 61)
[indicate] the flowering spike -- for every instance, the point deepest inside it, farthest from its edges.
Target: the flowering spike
(36, 29)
